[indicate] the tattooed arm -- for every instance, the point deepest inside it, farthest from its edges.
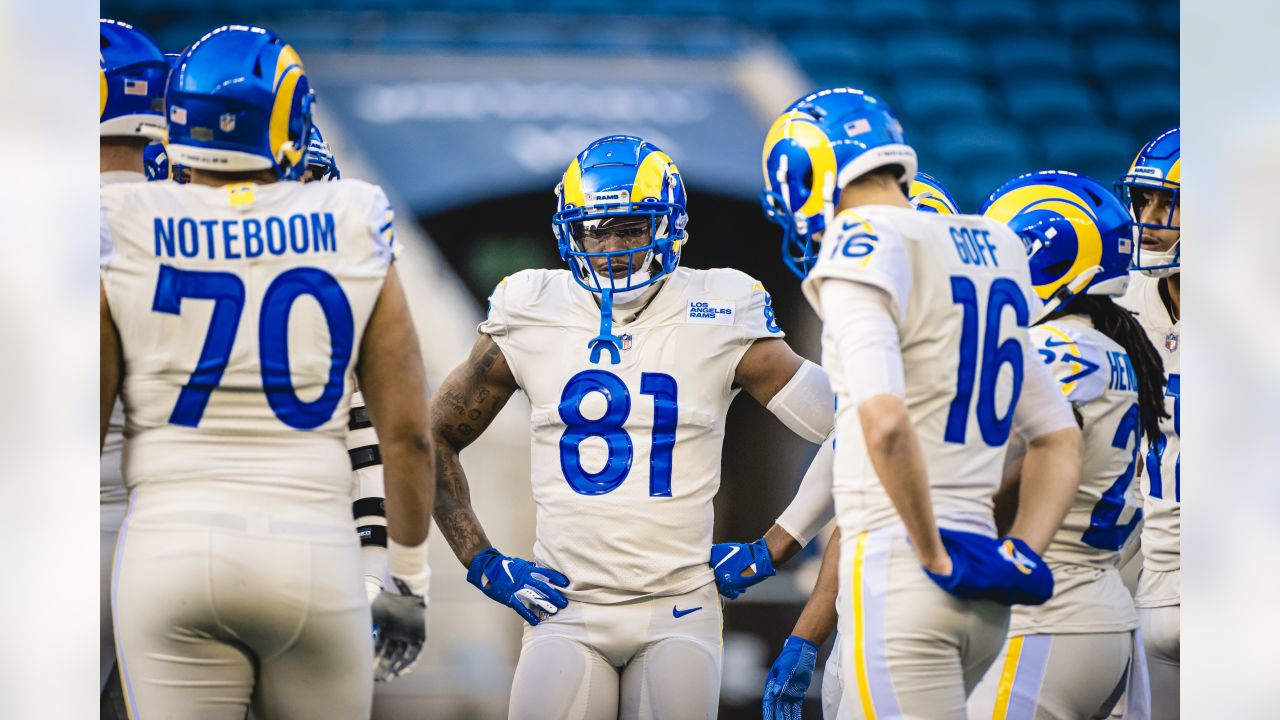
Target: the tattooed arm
(470, 398)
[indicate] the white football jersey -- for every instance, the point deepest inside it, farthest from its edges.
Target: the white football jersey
(1097, 378)
(111, 482)
(1162, 466)
(960, 289)
(626, 458)
(241, 310)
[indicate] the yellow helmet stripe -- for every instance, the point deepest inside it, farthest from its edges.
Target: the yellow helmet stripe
(571, 190)
(102, 88)
(651, 176)
(795, 126)
(280, 111)
(1175, 172)
(287, 58)
(1070, 206)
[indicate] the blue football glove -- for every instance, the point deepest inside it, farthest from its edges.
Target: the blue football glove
(789, 679)
(730, 560)
(519, 584)
(1005, 570)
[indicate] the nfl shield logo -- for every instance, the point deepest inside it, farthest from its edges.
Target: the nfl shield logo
(626, 342)
(1171, 341)
(227, 122)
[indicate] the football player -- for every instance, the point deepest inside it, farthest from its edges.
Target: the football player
(924, 338)
(1069, 657)
(132, 72)
(1151, 188)
(237, 578)
(630, 363)
(792, 672)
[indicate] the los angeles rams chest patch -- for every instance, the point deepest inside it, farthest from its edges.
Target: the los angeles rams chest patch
(710, 312)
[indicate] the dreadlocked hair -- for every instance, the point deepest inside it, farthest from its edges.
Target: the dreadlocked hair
(1120, 325)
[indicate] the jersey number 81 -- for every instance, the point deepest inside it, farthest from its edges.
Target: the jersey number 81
(609, 427)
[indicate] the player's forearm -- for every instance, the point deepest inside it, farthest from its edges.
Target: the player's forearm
(818, 619)
(410, 480)
(453, 512)
(899, 462)
(1050, 476)
(782, 545)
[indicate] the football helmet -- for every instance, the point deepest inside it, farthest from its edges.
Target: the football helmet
(928, 195)
(239, 100)
(320, 158)
(1079, 237)
(821, 143)
(1158, 166)
(131, 79)
(620, 180)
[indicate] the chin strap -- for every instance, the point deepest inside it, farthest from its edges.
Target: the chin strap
(606, 340)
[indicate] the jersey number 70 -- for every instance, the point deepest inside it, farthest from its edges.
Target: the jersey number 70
(226, 290)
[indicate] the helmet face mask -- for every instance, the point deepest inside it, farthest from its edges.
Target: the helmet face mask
(823, 142)
(1078, 236)
(1154, 182)
(321, 165)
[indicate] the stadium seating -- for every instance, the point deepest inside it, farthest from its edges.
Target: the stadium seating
(998, 17)
(1030, 81)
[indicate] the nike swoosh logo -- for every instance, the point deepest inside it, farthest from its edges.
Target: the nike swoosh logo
(732, 552)
(678, 613)
(1050, 342)
(506, 567)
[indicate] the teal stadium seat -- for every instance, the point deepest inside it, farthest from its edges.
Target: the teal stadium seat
(931, 54)
(1099, 17)
(875, 17)
(968, 147)
(996, 17)
(1135, 58)
(1050, 103)
(933, 103)
(1096, 151)
(1148, 108)
(1030, 58)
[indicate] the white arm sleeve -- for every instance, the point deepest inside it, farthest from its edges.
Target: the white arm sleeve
(1042, 409)
(805, 404)
(860, 318)
(812, 507)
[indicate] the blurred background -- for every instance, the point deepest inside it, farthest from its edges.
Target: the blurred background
(468, 111)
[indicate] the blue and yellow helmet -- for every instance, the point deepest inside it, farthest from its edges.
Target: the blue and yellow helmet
(621, 176)
(131, 78)
(1158, 167)
(821, 143)
(321, 164)
(928, 195)
(239, 100)
(1079, 237)
(615, 179)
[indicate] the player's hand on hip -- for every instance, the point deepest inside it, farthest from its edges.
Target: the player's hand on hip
(1005, 570)
(399, 630)
(525, 587)
(738, 566)
(789, 679)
